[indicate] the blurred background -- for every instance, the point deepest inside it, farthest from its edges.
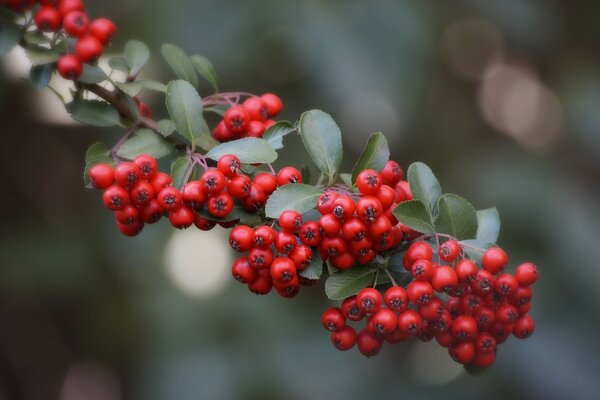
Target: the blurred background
(500, 97)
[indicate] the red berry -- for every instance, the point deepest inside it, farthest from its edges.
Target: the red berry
(384, 321)
(409, 321)
(256, 129)
(128, 215)
(264, 236)
(330, 225)
(449, 250)
(396, 298)
(204, 224)
(343, 261)
(485, 318)
(326, 201)
(103, 29)
(526, 274)
(169, 198)
(239, 186)
(115, 197)
(483, 282)
(484, 360)
(301, 256)
(464, 328)
(222, 134)
(88, 49)
(391, 173)
(333, 319)
(262, 284)
(255, 200)
(266, 181)
(47, 19)
(260, 258)
(193, 195)
(67, 6)
(257, 108)
(76, 23)
(522, 295)
(419, 292)
(444, 278)
(462, 352)
(236, 119)
(288, 175)
(283, 270)
(368, 182)
(386, 196)
(147, 164)
(369, 300)
(344, 339)
(506, 284)
(285, 242)
(524, 327)
(351, 309)
(213, 181)
(432, 310)
(369, 208)
(181, 218)
(494, 259)
(422, 270)
(69, 67)
(334, 246)
(310, 234)
(485, 343)
(127, 174)
(290, 221)
(343, 207)
(131, 229)
(229, 165)
(152, 212)
(368, 344)
(241, 238)
(354, 230)
(242, 272)
(141, 194)
(507, 313)
(273, 103)
(465, 270)
(417, 251)
(101, 175)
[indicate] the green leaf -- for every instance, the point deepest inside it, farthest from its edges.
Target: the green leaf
(315, 269)
(41, 55)
(135, 87)
(347, 283)
(165, 127)
(206, 70)
(424, 186)
(94, 112)
(40, 75)
(346, 178)
(237, 213)
(180, 63)
(137, 55)
(488, 225)
(306, 174)
(92, 74)
(457, 217)
(323, 141)
(35, 37)
(375, 155)
(95, 154)
(475, 249)
(179, 169)
(119, 64)
(274, 135)
(297, 197)
(413, 214)
(145, 141)
(249, 151)
(206, 141)
(185, 108)
(10, 35)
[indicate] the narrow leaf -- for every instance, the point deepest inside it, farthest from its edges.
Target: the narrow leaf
(40, 55)
(413, 214)
(297, 197)
(375, 155)
(135, 87)
(185, 107)
(475, 249)
(93, 112)
(488, 225)
(315, 269)
(347, 283)
(180, 63)
(248, 150)
(166, 127)
(137, 55)
(424, 186)
(274, 135)
(119, 64)
(95, 154)
(179, 169)
(34, 37)
(10, 35)
(457, 217)
(206, 70)
(145, 141)
(323, 141)
(40, 75)
(92, 74)
(346, 178)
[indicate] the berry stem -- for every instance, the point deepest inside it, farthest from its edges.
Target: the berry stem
(115, 149)
(391, 277)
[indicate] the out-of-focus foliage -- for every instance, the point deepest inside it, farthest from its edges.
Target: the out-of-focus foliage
(500, 97)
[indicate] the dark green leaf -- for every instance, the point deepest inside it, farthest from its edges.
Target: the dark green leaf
(95, 154)
(135, 87)
(413, 214)
(180, 63)
(166, 127)
(473, 370)
(297, 197)
(41, 55)
(145, 141)
(306, 174)
(10, 35)
(119, 64)
(185, 107)
(179, 170)
(488, 225)
(93, 112)
(274, 135)
(375, 155)
(248, 150)
(206, 70)
(347, 283)
(323, 141)
(137, 55)
(40, 75)
(424, 186)
(92, 74)
(457, 217)
(315, 269)
(35, 37)
(475, 249)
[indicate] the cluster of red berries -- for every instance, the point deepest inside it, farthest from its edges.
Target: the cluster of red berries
(466, 309)
(251, 119)
(92, 36)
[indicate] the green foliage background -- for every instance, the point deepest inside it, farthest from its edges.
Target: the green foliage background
(74, 291)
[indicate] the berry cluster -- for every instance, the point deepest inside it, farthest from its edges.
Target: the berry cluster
(70, 15)
(251, 119)
(467, 309)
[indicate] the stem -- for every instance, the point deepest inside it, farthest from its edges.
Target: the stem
(115, 149)
(391, 277)
(272, 169)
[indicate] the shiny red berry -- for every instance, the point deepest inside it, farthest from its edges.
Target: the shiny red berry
(103, 29)
(273, 103)
(288, 175)
(76, 23)
(69, 67)
(101, 175)
(494, 260)
(236, 119)
(369, 300)
(47, 19)
(229, 165)
(333, 319)
(449, 250)
(88, 49)
(368, 182)
(526, 274)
